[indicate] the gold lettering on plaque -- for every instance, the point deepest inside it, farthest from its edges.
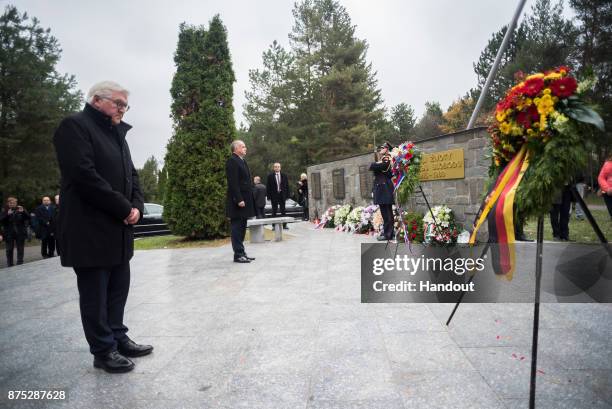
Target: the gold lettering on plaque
(442, 165)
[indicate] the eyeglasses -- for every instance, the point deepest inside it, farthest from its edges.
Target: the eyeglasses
(118, 103)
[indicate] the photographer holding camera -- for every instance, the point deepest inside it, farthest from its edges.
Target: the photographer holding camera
(383, 189)
(14, 220)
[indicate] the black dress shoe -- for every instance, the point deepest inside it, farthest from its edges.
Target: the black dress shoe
(241, 259)
(249, 258)
(132, 349)
(113, 362)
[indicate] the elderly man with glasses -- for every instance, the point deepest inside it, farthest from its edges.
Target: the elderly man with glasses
(101, 201)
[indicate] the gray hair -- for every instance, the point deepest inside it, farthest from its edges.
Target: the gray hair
(235, 144)
(105, 89)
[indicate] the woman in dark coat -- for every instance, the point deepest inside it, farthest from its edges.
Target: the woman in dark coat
(383, 190)
(303, 195)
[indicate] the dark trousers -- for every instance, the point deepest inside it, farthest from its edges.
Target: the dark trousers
(560, 215)
(238, 231)
(103, 292)
(260, 212)
(47, 246)
(275, 204)
(608, 200)
(387, 214)
(11, 243)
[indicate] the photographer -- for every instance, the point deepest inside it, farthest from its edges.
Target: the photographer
(383, 189)
(13, 220)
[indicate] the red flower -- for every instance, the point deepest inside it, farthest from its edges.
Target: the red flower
(532, 87)
(563, 87)
(525, 118)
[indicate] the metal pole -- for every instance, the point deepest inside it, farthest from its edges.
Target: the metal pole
(536, 313)
(500, 53)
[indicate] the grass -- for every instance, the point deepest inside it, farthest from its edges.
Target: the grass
(179, 242)
(579, 230)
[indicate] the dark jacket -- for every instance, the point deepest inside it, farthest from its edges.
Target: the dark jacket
(238, 189)
(99, 187)
(14, 225)
(259, 194)
(303, 192)
(383, 186)
(273, 193)
(45, 221)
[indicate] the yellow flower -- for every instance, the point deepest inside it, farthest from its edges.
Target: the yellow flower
(546, 91)
(542, 122)
(505, 127)
(538, 75)
(500, 116)
(545, 105)
(528, 102)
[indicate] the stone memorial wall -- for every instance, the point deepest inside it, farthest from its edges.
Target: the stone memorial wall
(454, 174)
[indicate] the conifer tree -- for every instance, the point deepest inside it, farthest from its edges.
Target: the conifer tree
(203, 114)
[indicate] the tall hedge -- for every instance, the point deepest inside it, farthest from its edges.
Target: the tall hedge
(203, 114)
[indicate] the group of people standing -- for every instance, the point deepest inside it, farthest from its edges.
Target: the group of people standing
(15, 221)
(245, 200)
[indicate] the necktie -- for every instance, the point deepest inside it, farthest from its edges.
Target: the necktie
(278, 181)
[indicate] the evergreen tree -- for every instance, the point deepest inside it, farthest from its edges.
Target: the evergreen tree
(203, 114)
(34, 98)
(403, 122)
(162, 178)
(147, 177)
(430, 122)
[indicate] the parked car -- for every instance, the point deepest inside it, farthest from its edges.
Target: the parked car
(292, 208)
(152, 222)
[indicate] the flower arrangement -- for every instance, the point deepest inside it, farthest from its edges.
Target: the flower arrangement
(439, 226)
(341, 215)
(413, 225)
(406, 166)
(367, 218)
(353, 220)
(545, 114)
(327, 221)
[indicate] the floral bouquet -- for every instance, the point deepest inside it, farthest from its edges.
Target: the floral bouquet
(405, 166)
(353, 220)
(412, 228)
(545, 119)
(327, 221)
(367, 218)
(439, 226)
(340, 216)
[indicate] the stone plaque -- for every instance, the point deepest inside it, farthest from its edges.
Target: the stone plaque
(338, 183)
(366, 180)
(316, 185)
(443, 165)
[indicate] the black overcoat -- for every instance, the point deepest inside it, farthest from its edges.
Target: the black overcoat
(239, 189)
(45, 222)
(14, 225)
(99, 187)
(383, 186)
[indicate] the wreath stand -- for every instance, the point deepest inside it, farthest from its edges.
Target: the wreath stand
(538, 277)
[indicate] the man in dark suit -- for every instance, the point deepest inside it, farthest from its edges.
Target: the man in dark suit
(45, 215)
(278, 190)
(240, 205)
(259, 194)
(101, 201)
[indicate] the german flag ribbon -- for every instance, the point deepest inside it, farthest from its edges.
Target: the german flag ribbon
(497, 210)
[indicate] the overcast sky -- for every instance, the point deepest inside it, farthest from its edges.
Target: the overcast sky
(422, 50)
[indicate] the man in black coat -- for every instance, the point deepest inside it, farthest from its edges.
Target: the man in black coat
(14, 229)
(259, 195)
(45, 215)
(383, 190)
(240, 205)
(101, 201)
(278, 190)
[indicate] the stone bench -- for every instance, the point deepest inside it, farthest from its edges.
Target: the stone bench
(256, 228)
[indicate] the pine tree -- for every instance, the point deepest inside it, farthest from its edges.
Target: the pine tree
(34, 98)
(147, 176)
(203, 114)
